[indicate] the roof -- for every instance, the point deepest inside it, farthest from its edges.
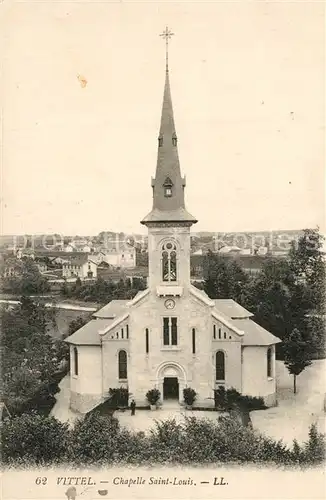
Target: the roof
(255, 334)
(179, 215)
(112, 310)
(89, 333)
(79, 260)
(238, 317)
(232, 309)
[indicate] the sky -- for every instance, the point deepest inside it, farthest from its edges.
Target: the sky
(83, 86)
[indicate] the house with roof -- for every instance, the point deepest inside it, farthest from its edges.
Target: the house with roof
(22, 253)
(80, 266)
(123, 256)
(171, 335)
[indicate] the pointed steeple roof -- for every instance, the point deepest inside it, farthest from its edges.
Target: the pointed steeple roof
(168, 185)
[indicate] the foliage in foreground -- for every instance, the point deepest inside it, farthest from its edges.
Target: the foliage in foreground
(99, 440)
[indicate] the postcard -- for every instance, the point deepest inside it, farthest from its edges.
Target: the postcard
(162, 250)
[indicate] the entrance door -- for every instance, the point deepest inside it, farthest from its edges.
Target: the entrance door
(171, 388)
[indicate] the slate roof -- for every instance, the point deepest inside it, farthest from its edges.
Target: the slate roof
(168, 208)
(89, 333)
(232, 309)
(179, 215)
(111, 310)
(239, 317)
(255, 334)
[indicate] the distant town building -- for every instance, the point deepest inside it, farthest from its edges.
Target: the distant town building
(42, 267)
(25, 252)
(80, 267)
(229, 249)
(124, 257)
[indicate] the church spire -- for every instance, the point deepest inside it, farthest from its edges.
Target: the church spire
(168, 185)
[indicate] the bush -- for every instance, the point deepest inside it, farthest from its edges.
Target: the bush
(99, 441)
(189, 396)
(152, 396)
(119, 397)
(34, 439)
(314, 450)
(165, 443)
(226, 399)
(94, 439)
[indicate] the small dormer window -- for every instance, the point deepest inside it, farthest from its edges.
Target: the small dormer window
(174, 140)
(160, 141)
(168, 187)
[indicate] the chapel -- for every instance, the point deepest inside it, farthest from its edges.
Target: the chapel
(171, 335)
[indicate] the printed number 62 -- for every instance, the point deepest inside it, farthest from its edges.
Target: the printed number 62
(41, 480)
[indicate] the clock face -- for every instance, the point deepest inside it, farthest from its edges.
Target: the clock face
(169, 303)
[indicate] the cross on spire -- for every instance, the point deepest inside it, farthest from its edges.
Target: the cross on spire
(167, 34)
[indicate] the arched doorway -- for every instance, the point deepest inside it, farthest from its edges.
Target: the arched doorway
(171, 380)
(170, 388)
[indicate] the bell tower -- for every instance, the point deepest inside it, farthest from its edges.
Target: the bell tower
(168, 222)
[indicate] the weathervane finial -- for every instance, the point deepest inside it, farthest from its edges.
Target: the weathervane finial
(167, 34)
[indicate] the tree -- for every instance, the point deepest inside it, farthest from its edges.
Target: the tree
(76, 324)
(224, 278)
(297, 355)
(308, 266)
(31, 358)
(26, 279)
(268, 296)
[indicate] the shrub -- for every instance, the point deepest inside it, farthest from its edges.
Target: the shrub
(95, 439)
(252, 403)
(34, 439)
(119, 397)
(314, 450)
(226, 399)
(220, 398)
(99, 441)
(152, 396)
(189, 395)
(166, 442)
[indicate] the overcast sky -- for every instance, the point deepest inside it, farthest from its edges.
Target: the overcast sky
(247, 82)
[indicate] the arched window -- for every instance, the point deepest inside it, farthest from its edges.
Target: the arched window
(170, 331)
(269, 362)
(193, 341)
(147, 340)
(220, 365)
(168, 187)
(75, 361)
(122, 365)
(169, 261)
